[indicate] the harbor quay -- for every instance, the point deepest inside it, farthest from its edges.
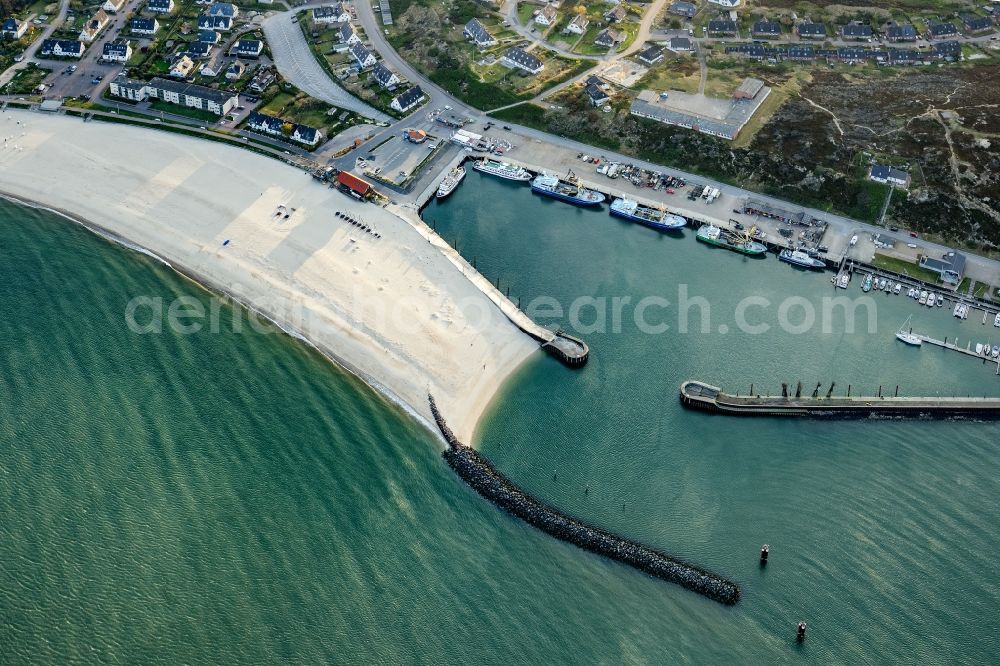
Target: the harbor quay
(820, 404)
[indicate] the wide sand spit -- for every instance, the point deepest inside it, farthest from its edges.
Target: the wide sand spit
(394, 310)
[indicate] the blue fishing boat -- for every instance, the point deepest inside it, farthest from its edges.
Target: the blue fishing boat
(566, 190)
(653, 218)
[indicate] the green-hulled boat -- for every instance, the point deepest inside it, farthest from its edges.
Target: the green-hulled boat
(713, 235)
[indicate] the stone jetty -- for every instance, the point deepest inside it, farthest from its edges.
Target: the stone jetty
(480, 474)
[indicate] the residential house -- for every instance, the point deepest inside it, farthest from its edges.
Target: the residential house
(609, 38)
(94, 25)
(265, 124)
(546, 15)
(853, 55)
(247, 48)
(144, 26)
(887, 174)
(331, 14)
(899, 57)
(857, 32)
(949, 50)
(616, 14)
(209, 36)
(62, 48)
(651, 55)
(728, 4)
(407, 100)
(219, 102)
(113, 6)
(578, 25)
(681, 44)
(974, 25)
(941, 30)
(801, 53)
(722, 28)
(363, 56)
(226, 9)
(306, 135)
(13, 29)
(220, 23)
(477, 32)
(235, 70)
(596, 96)
(951, 267)
(160, 6)
(384, 76)
(516, 57)
(347, 35)
(765, 30)
(199, 50)
(593, 81)
(900, 32)
(261, 80)
(685, 9)
(117, 51)
(811, 31)
(182, 68)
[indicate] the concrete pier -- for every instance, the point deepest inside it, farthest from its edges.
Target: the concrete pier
(698, 395)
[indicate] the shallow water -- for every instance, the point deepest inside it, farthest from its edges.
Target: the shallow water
(232, 497)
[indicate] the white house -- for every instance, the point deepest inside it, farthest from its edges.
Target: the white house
(247, 48)
(729, 4)
(94, 25)
(478, 33)
(145, 26)
(331, 14)
(887, 174)
(348, 36)
(518, 58)
(304, 134)
(113, 6)
(118, 51)
(578, 25)
(407, 100)
(384, 76)
(363, 56)
(129, 89)
(14, 29)
(182, 68)
(226, 9)
(235, 70)
(160, 6)
(546, 15)
(62, 48)
(220, 23)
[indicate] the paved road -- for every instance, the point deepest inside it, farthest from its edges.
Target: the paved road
(30, 52)
(298, 65)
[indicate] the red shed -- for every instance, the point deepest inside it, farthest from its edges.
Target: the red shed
(353, 183)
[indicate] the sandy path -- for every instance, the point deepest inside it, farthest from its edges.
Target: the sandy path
(393, 310)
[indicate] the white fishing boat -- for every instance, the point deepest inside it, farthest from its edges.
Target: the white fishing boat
(844, 279)
(996, 322)
(923, 297)
(940, 300)
(930, 300)
(961, 311)
(979, 348)
(905, 334)
(898, 288)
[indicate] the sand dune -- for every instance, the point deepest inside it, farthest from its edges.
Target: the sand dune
(393, 309)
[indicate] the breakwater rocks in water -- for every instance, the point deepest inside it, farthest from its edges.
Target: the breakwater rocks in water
(480, 474)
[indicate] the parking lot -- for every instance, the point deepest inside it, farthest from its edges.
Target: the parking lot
(396, 159)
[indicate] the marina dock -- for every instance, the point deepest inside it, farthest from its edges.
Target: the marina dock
(967, 350)
(699, 395)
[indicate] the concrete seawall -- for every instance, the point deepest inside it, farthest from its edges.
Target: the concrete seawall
(480, 474)
(698, 395)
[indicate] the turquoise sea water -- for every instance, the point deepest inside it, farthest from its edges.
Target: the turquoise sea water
(232, 497)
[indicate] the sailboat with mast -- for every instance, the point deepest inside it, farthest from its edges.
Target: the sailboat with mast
(906, 334)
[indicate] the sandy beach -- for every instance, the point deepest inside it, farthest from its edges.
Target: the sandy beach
(394, 310)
